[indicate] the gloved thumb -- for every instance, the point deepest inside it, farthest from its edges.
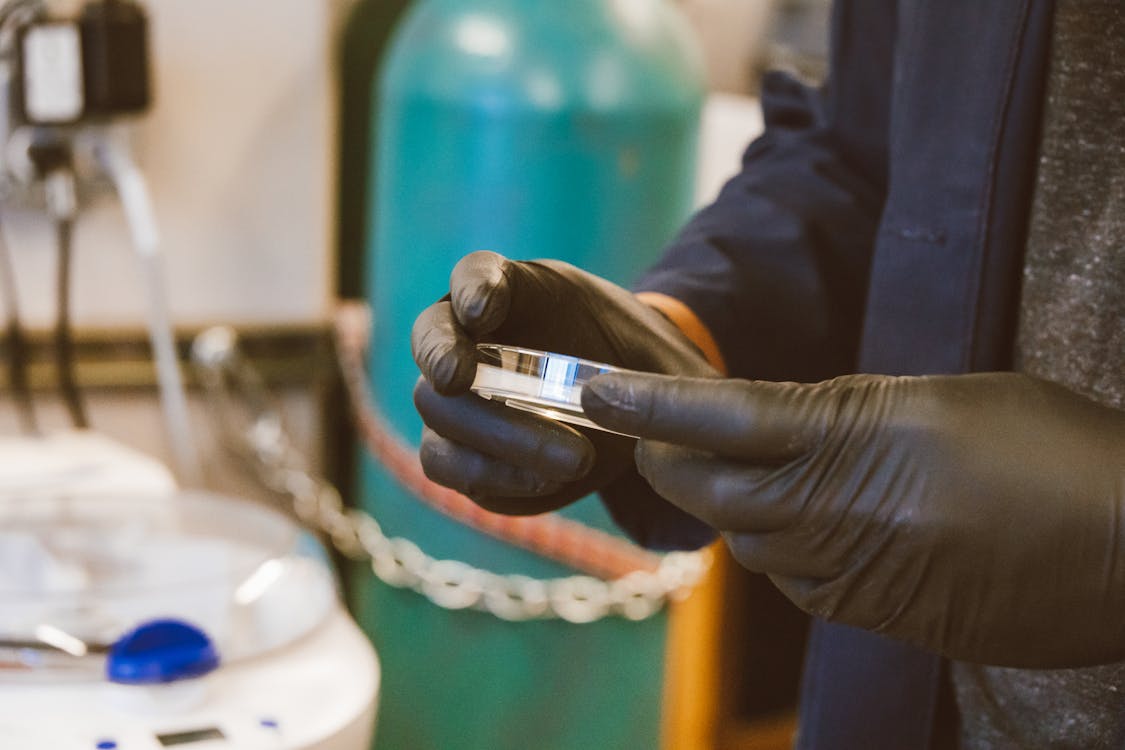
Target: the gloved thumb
(756, 421)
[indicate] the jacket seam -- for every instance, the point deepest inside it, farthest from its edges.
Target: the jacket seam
(987, 205)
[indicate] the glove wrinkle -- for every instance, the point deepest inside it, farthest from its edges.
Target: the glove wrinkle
(767, 552)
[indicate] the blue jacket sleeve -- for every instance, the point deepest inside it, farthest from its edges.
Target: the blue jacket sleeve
(777, 267)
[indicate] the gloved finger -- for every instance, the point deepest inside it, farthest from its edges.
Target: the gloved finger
(474, 474)
(757, 421)
(725, 494)
(776, 555)
(480, 288)
(545, 448)
(524, 506)
(444, 352)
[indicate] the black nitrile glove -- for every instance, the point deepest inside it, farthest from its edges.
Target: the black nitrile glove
(978, 516)
(518, 463)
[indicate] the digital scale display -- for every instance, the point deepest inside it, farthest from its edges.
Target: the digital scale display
(188, 738)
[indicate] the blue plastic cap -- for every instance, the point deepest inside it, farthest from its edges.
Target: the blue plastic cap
(161, 651)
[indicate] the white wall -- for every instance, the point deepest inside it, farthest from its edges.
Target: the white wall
(239, 151)
(733, 33)
(730, 123)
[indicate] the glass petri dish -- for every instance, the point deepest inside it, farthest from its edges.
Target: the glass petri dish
(542, 383)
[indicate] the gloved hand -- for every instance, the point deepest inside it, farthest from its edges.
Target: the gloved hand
(514, 462)
(978, 516)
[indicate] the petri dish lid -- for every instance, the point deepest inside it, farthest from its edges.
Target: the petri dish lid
(542, 383)
(79, 572)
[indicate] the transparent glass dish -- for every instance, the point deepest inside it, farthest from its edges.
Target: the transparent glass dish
(542, 383)
(76, 573)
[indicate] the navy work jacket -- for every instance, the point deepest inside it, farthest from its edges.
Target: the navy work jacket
(878, 226)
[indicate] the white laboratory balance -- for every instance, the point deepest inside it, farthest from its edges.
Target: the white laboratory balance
(135, 615)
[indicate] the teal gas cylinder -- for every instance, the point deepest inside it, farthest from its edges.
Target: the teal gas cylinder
(535, 128)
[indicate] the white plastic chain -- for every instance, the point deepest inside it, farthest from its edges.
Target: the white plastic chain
(250, 425)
